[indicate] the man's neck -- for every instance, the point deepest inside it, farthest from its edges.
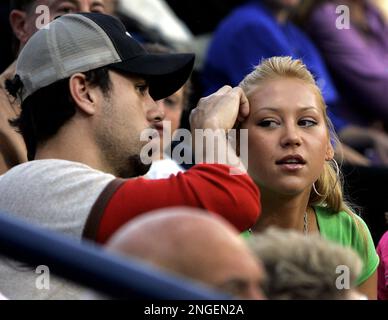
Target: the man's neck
(71, 148)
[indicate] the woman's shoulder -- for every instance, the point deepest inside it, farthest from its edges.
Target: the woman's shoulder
(349, 230)
(330, 215)
(342, 226)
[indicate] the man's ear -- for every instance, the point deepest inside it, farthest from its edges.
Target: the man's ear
(84, 95)
(17, 19)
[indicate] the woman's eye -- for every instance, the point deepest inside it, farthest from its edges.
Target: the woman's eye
(171, 103)
(307, 123)
(268, 124)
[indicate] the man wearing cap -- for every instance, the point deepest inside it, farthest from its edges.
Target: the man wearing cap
(88, 90)
(25, 18)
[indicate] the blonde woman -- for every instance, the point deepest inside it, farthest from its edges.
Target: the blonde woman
(291, 159)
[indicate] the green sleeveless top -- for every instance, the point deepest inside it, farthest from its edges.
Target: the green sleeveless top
(343, 229)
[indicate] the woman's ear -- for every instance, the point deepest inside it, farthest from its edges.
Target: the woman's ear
(84, 95)
(329, 152)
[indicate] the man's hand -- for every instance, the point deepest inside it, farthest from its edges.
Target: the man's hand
(220, 110)
(218, 113)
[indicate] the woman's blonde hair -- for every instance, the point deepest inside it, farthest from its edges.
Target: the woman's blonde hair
(329, 183)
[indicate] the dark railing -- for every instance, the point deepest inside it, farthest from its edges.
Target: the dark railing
(88, 265)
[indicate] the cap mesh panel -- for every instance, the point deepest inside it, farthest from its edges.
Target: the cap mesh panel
(71, 44)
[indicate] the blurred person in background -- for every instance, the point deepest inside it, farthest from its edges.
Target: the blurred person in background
(173, 108)
(157, 17)
(382, 251)
(352, 36)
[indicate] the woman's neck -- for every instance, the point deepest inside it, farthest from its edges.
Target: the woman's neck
(286, 212)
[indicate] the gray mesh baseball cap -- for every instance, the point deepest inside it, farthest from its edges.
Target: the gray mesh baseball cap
(86, 41)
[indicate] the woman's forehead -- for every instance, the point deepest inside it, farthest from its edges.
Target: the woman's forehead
(284, 93)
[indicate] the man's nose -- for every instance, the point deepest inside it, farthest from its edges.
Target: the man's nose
(156, 111)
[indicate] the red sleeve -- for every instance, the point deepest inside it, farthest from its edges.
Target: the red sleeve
(211, 187)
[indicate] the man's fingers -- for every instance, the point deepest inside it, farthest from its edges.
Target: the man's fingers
(214, 97)
(244, 108)
(224, 108)
(243, 111)
(223, 90)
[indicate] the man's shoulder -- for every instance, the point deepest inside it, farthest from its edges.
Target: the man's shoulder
(58, 194)
(55, 165)
(54, 172)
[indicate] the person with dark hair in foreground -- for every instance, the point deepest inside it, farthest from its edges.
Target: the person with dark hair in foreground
(85, 106)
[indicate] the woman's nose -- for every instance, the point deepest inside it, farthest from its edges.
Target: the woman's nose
(291, 137)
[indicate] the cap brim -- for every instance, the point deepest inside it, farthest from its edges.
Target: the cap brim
(166, 73)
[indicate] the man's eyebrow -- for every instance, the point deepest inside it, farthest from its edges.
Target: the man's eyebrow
(141, 82)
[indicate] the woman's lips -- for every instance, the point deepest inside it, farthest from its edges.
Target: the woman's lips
(293, 162)
(291, 166)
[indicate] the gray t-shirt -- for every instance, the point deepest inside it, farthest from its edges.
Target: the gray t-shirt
(54, 194)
